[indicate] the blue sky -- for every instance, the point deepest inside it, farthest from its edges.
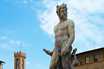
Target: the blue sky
(31, 22)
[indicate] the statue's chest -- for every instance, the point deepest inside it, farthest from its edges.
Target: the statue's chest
(61, 26)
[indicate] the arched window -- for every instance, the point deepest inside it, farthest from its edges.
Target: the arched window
(17, 64)
(22, 64)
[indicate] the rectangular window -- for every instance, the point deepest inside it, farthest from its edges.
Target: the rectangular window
(80, 62)
(17, 64)
(76, 63)
(22, 63)
(95, 58)
(87, 60)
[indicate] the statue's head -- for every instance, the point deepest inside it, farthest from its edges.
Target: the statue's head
(62, 11)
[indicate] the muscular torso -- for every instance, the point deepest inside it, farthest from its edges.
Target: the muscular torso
(61, 33)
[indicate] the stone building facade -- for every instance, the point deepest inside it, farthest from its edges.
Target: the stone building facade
(19, 60)
(93, 59)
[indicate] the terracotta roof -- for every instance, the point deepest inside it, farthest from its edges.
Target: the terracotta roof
(90, 51)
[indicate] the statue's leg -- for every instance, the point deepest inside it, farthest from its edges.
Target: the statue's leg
(71, 66)
(66, 59)
(53, 60)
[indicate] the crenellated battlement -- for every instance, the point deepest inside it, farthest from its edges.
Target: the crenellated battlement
(20, 54)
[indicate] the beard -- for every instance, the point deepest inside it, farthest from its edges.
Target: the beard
(63, 17)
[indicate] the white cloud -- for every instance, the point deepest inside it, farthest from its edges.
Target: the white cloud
(86, 16)
(41, 66)
(3, 37)
(8, 43)
(24, 1)
(17, 42)
(90, 6)
(28, 63)
(31, 1)
(18, 2)
(5, 46)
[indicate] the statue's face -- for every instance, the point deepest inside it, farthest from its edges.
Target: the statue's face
(63, 13)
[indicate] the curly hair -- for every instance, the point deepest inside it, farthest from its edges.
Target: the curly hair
(59, 7)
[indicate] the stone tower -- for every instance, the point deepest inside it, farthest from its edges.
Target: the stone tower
(1, 64)
(19, 60)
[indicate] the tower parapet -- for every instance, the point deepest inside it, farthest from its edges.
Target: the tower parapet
(20, 54)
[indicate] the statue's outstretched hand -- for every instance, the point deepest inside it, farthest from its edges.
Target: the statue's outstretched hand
(48, 52)
(44, 49)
